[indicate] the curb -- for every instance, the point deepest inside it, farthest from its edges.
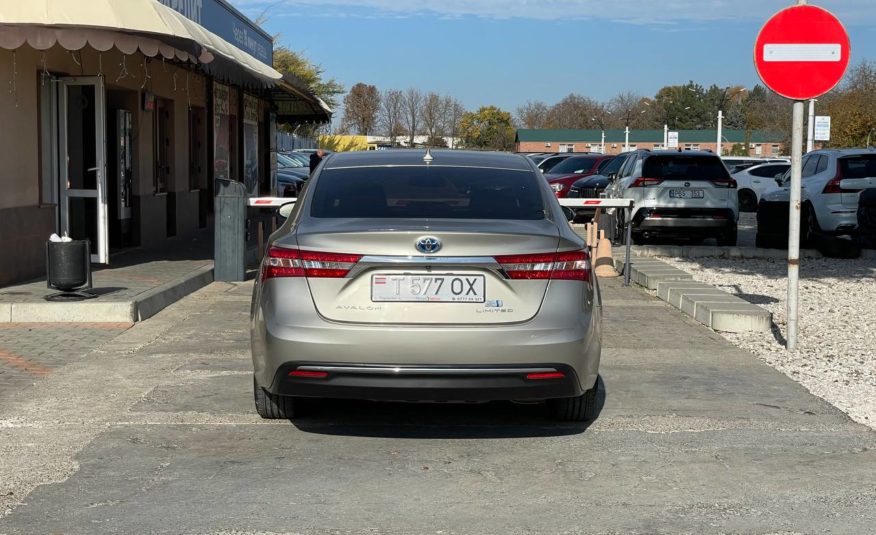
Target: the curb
(705, 251)
(714, 308)
(140, 308)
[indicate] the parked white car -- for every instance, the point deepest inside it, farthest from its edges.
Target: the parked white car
(688, 195)
(753, 181)
(832, 182)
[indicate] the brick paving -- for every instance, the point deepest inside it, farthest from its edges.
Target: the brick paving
(32, 351)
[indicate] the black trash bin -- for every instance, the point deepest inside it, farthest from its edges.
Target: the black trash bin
(68, 268)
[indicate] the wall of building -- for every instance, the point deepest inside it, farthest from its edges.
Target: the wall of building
(26, 220)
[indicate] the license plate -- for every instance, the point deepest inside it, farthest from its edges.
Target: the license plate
(446, 288)
(687, 193)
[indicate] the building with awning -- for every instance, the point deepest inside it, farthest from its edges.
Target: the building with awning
(119, 116)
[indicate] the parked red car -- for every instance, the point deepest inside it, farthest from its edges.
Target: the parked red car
(570, 170)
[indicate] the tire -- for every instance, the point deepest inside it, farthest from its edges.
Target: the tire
(639, 239)
(810, 230)
(271, 406)
(747, 201)
(577, 409)
(728, 239)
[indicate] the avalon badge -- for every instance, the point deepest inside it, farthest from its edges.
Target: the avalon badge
(428, 244)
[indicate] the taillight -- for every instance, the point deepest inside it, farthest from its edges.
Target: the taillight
(833, 186)
(642, 182)
(724, 183)
(282, 262)
(570, 265)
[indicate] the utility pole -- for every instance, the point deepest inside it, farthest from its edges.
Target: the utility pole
(602, 146)
(626, 139)
(665, 137)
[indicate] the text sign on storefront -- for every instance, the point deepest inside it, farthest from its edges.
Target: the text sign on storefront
(220, 18)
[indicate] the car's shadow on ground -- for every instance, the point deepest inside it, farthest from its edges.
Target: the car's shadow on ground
(437, 420)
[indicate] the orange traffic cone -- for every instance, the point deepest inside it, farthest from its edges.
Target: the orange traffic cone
(603, 266)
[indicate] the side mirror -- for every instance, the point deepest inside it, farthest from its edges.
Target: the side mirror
(570, 214)
(286, 210)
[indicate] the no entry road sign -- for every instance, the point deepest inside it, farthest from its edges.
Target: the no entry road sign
(802, 52)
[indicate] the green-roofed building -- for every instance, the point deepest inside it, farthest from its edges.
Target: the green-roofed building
(756, 143)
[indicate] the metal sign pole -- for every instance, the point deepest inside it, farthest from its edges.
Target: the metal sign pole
(794, 223)
(629, 241)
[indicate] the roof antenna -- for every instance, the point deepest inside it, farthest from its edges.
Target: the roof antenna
(428, 156)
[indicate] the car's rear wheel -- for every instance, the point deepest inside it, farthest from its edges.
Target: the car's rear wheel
(728, 239)
(810, 229)
(273, 407)
(577, 409)
(747, 201)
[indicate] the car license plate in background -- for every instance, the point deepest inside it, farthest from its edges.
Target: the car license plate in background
(446, 288)
(687, 193)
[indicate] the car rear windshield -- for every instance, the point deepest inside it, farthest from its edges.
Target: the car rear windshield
(434, 192)
(863, 166)
(575, 164)
(685, 167)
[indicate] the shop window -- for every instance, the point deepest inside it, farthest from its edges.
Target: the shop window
(776, 150)
(163, 145)
(224, 133)
(691, 146)
(251, 144)
(566, 147)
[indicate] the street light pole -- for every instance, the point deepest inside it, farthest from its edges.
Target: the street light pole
(626, 139)
(665, 136)
(720, 127)
(602, 146)
(810, 134)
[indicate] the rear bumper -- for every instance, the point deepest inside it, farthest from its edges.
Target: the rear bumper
(681, 220)
(566, 334)
(414, 383)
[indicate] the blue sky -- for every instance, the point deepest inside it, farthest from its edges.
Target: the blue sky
(507, 52)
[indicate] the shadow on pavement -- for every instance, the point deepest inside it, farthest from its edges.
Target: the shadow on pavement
(437, 420)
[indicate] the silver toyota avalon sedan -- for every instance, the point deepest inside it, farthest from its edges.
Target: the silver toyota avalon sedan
(426, 276)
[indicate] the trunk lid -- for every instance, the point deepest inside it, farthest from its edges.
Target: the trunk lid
(391, 260)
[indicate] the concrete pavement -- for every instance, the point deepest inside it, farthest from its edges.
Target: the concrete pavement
(155, 433)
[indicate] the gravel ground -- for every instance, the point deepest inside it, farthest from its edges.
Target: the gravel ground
(836, 355)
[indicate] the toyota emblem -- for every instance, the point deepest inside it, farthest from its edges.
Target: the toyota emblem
(428, 244)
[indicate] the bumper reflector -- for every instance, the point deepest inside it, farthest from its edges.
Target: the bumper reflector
(548, 375)
(308, 374)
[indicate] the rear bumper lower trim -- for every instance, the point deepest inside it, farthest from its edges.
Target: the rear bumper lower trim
(414, 383)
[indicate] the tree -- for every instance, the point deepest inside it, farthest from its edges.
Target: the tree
(289, 61)
(432, 116)
(487, 128)
(453, 113)
(533, 114)
(573, 111)
(390, 115)
(360, 108)
(412, 101)
(626, 110)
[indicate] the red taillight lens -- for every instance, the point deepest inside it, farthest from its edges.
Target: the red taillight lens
(724, 183)
(642, 182)
(282, 262)
(546, 375)
(570, 265)
(834, 185)
(308, 374)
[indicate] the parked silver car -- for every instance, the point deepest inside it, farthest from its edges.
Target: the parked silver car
(405, 275)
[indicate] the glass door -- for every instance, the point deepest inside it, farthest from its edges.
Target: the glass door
(82, 127)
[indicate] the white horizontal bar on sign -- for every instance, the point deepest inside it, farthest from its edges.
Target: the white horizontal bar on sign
(596, 203)
(828, 52)
(268, 202)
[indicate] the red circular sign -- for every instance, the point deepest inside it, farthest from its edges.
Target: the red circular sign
(802, 52)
